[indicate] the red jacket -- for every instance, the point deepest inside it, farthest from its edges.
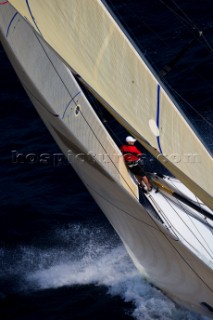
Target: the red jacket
(131, 153)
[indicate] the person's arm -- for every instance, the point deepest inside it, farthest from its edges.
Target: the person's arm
(138, 152)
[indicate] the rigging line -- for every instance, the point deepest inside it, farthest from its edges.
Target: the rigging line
(207, 43)
(184, 14)
(170, 241)
(184, 100)
(164, 217)
(192, 232)
(187, 17)
(56, 71)
(199, 204)
(170, 65)
(123, 211)
(207, 225)
(176, 188)
(191, 203)
(180, 236)
(153, 63)
(192, 221)
(186, 262)
(131, 33)
(188, 22)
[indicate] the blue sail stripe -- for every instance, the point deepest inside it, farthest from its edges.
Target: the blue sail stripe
(158, 106)
(11, 21)
(158, 117)
(30, 11)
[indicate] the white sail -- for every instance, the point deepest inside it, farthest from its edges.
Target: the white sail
(171, 244)
(86, 36)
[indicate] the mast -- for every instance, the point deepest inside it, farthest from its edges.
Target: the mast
(90, 41)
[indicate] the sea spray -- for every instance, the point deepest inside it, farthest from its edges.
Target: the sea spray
(89, 255)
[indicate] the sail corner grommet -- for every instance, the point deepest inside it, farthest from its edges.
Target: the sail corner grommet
(77, 110)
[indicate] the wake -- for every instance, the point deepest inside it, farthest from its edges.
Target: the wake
(89, 255)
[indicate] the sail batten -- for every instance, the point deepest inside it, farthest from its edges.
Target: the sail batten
(87, 37)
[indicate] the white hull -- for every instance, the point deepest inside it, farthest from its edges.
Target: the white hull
(159, 254)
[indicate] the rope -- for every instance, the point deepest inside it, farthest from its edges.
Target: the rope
(181, 235)
(188, 104)
(189, 216)
(187, 21)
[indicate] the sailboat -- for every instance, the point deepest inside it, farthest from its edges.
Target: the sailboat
(57, 47)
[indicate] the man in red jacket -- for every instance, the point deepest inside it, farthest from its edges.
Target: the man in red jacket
(132, 156)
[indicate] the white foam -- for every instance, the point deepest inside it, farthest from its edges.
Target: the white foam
(91, 255)
(100, 262)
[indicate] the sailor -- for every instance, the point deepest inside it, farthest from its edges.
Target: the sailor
(132, 159)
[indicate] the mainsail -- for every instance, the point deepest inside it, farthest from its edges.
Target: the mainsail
(90, 41)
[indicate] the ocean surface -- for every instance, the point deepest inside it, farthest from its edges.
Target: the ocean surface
(59, 257)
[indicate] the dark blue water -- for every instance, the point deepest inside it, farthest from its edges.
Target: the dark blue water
(59, 257)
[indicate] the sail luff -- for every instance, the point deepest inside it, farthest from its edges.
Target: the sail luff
(87, 37)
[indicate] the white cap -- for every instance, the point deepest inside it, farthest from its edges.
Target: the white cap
(130, 139)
